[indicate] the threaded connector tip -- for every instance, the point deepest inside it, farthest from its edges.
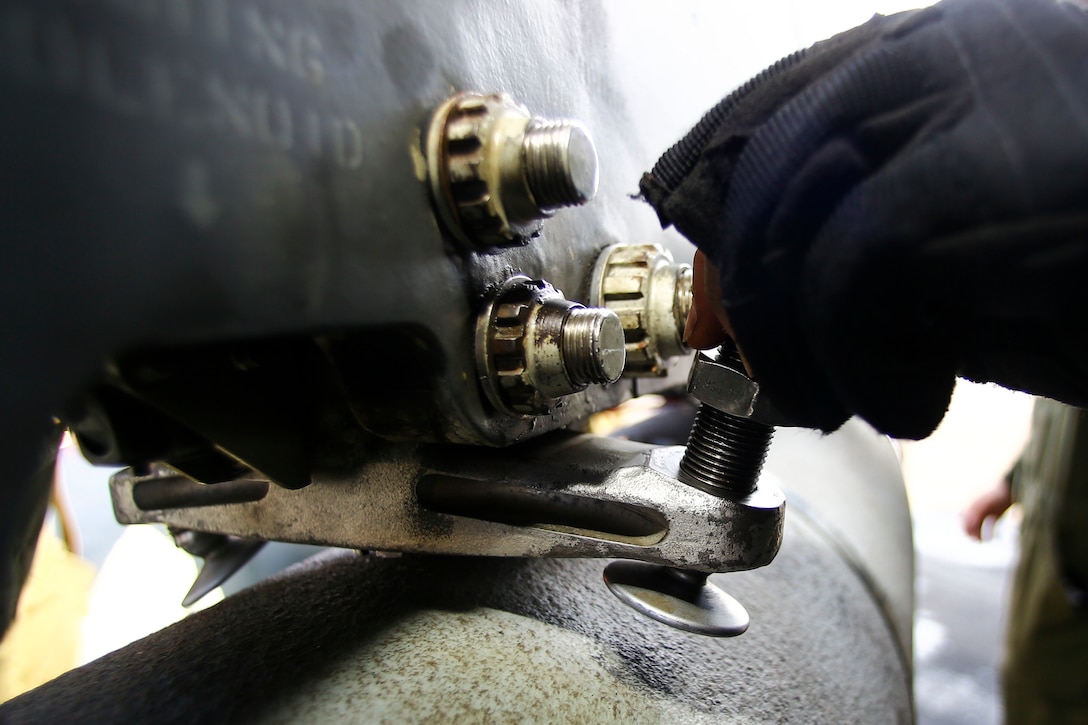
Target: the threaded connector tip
(560, 164)
(593, 346)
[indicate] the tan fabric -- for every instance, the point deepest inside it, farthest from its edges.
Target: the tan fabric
(1046, 668)
(44, 640)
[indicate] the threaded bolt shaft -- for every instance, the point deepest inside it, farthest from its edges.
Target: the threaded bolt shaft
(593, 346)
(725, 453)
(560, 164)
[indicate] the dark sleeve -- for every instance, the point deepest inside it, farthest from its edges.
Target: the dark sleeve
(901, 205)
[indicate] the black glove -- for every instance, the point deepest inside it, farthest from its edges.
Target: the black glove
(901, 204)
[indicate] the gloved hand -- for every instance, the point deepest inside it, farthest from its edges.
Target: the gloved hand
(901, 204)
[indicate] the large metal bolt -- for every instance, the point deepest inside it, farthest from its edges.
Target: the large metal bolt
(652, 296)
(732, 430)
(535, 347)
(496, 171)
(724, 457)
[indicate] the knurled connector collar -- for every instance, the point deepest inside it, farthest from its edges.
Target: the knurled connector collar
(496, 171)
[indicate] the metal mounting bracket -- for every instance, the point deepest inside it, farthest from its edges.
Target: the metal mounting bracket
(563, 495)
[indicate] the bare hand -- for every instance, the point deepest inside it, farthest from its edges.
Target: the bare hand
(982, 514)
(708, 324)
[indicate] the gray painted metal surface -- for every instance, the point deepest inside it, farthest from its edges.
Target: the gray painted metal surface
(253, 170)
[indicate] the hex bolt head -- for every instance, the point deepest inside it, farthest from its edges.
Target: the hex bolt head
(721, 383)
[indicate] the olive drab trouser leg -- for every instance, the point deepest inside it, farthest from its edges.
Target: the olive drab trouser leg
(1046, 668)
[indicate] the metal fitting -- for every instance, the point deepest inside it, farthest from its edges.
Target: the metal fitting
(724, 457)
(560, 164)
(533, 347)
(495, 171)
(652, 296)
(723, 384)
(732, 430)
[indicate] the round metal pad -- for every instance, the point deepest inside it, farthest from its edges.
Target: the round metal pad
(677, 597)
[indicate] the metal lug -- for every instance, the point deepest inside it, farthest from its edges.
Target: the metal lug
(560, 496)
(496, 171)
(533, 347)
(651, 294)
